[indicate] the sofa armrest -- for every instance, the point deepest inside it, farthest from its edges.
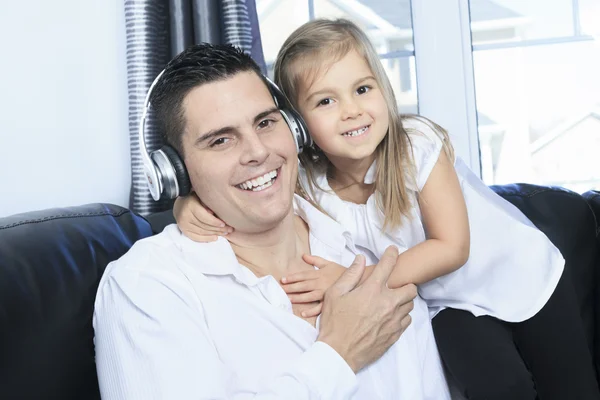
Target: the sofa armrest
(51, 262)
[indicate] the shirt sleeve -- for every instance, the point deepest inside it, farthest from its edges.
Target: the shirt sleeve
(426, 147)
(152, 343)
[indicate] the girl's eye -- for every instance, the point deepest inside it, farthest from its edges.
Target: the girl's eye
(363, 89)
(219, 142)
(324, 102)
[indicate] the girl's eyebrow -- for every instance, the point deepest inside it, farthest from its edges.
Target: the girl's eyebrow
(328, 90)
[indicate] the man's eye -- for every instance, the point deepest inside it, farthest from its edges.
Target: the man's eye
(363, 89)
(219, 142)
(324, 102)
(265, 123)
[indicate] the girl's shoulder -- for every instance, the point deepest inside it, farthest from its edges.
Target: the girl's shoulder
(422, 132)
(426, 141)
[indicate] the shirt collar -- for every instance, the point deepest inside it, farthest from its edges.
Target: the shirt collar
(213, 258)
(322, 227)
(218, 258)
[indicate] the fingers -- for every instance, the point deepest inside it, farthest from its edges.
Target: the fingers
(202, 215)
(315, 260)
(208, 223)
(314, 311)
(405, 294)
(194, 218)
(351, 277)
(309, 297)
(201, 238)
(401, 328)
(381, 272)
(405, 308)
(300, 276)
(300, 287)
(203, 229)
(405, 323)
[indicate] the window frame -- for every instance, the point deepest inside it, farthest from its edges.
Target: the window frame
(442, 37)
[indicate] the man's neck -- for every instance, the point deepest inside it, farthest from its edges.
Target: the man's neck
(276, 252)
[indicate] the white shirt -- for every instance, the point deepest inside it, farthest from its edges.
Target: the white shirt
(513, 268)
(175, 319)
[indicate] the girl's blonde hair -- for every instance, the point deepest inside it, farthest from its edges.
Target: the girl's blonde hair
(312, 48)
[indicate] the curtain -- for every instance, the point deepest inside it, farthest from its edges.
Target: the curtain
(240, 28)
(156, 31)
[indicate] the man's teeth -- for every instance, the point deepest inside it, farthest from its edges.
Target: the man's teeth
(356, 132)
(260, 183)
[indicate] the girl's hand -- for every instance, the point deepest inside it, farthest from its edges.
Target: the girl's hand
(196, 221)
(310, 286)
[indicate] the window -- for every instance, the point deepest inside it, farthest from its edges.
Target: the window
(537, 91)
(515, 82)
(387, 22)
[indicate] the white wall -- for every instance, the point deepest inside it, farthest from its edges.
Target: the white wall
(64, 137)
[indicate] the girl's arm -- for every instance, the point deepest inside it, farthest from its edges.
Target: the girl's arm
(196, 221)
(446, 226)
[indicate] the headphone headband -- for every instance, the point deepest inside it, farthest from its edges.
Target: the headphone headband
(152, 174)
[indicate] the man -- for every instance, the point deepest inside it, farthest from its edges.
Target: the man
(176, 319)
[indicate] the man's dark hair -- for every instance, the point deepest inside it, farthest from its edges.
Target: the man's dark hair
(197, 65)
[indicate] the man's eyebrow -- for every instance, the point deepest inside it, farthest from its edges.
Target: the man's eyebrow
(327, 90)
(228, 129)
(213, 133)
(265, 113)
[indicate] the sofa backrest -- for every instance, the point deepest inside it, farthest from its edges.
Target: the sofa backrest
(568, 221)
(51, 263)
(50, 266)
(593, 198)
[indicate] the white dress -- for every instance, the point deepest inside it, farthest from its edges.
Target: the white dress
(513, 268)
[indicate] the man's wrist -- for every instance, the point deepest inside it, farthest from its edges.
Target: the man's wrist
(340, 350)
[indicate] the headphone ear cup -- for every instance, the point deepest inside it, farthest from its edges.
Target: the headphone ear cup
(183, 179)
(298, 128)
(291, 116)
(306, 138)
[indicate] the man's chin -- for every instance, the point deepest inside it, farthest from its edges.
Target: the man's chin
(264, 220)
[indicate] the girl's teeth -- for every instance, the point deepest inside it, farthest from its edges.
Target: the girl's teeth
(356, 132)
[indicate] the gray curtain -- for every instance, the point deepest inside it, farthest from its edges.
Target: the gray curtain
(240, 28)
(157, 30)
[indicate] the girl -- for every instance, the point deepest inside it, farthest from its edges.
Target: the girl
(504, 315)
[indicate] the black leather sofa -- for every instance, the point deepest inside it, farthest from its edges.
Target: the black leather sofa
(51, 262)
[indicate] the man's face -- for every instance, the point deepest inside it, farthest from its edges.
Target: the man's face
(239, 152)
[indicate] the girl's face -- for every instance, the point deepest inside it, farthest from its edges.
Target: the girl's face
(345, 111)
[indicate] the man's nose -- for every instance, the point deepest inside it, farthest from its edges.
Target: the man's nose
(255, 151)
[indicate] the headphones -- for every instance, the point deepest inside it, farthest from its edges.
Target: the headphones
(165, 171)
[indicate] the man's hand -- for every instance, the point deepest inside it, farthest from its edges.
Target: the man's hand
(362, 321)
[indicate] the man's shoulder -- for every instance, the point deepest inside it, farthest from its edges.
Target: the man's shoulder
(161, 254)
(147, 252)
